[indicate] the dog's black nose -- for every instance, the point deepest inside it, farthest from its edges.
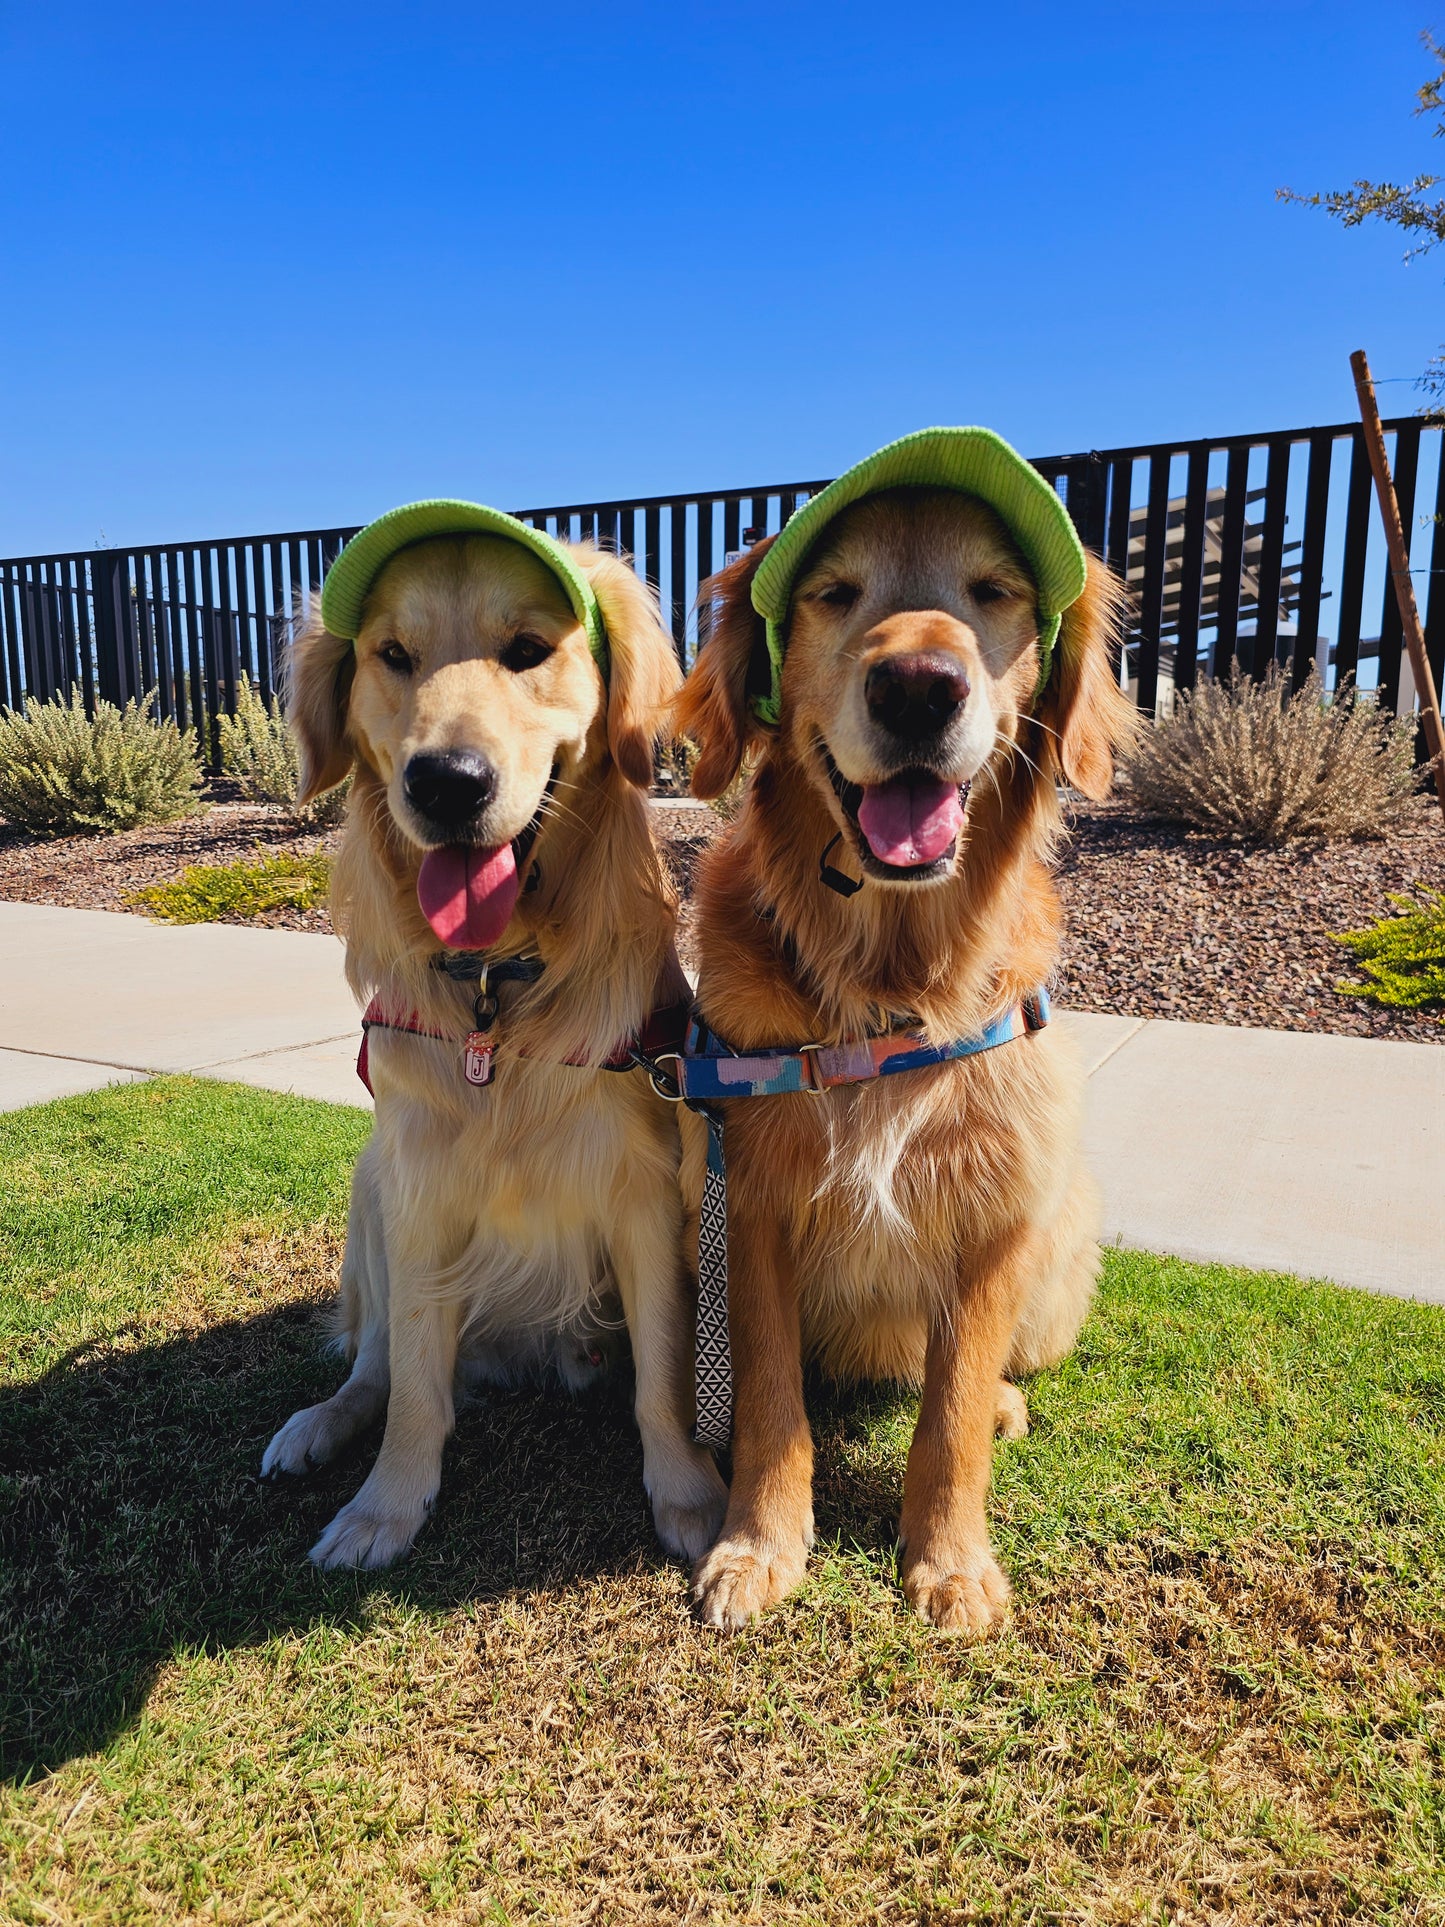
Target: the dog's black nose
(449, 786)
(914, 697)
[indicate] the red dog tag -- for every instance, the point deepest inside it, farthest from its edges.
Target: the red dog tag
(477, 1063)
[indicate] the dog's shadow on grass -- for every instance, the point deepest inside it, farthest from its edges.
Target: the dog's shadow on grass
(134, 1522)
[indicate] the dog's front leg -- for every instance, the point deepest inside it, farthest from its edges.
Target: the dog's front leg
(763, 1551)
(380, 1523)
(687, 1493)
(949, 1572)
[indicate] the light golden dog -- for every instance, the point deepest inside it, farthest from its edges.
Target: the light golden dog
(493, 1228)
(936, 1225)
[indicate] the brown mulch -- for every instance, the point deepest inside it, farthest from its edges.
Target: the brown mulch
(1160, 921)
(98, 872)
(1166, 922)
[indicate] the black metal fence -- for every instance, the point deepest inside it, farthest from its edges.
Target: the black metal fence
(1253, 548)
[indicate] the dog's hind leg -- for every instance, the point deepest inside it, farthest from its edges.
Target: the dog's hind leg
(687, 1493)
(318, 1432)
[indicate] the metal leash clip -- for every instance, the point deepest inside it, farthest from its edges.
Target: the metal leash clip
(665, 1083)
(485, 1004)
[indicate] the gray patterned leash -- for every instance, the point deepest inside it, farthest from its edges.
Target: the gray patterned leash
(714, 1358)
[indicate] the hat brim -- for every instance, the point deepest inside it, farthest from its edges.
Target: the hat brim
(974, 461)
(351, 576)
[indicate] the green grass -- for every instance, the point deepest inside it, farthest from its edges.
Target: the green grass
(209, 892)
(1222, 1696)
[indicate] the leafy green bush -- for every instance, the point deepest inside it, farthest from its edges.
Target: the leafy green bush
(207, 893)
(1248, 760)
(258, 752)
(1403, 957)
(63, 773)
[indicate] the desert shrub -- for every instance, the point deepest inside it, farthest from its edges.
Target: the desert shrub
(63, 773)
(258, 752)
(1402, 958)
(206, 893)
(1249, 760)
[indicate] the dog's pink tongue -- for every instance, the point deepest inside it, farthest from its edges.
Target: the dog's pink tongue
(467, 895)
(912, 819)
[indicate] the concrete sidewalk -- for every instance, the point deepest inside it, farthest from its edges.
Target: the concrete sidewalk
(1318, 1155)
(91, 997)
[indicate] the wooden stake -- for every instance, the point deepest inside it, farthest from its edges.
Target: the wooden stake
(1400, 570)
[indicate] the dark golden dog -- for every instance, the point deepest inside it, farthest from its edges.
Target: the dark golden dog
(937, 1225)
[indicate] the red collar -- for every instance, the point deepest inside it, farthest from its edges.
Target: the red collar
(660, 1034)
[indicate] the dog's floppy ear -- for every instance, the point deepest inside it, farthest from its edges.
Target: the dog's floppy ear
(643, 674)
(1085, 714)
(731, 666)
(319, 674)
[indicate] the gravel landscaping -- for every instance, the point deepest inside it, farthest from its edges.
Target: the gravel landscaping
(99, 872)
(1161, 922)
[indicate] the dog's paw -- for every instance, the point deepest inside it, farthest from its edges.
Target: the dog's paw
(369, 1533)
(1011, 1414)
(308, 1439)
(968, 1597)
(741, 1577)
(688, 1510)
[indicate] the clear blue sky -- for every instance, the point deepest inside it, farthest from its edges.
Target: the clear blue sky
(279, 267)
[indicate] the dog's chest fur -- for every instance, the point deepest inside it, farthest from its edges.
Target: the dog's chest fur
(884, 1189)
(535, 1177)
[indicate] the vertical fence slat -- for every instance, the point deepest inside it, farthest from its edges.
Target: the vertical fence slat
(12, 689)
(1392, 633)
(1435, 605)
(705, 507)
(224, 630)
(677, 532)
(1121, 495)
(128, 628)
(197, 656)
(652, 546)
(1352, 582)
(176, 631)
(1271, 556)
(1150, 620)
(261, 616)
(1231, 561)
(68, 627)
(25, 618)
(86, 633)
(245, 646)
(732, 524)
(1191, 569)
(280, 614)
(1312, 557)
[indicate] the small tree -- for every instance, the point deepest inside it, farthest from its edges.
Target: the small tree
(1408, 207)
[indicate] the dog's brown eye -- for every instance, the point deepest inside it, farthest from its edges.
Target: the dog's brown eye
(525, 652)
(987, 591)
(395, 657)
(839, 595)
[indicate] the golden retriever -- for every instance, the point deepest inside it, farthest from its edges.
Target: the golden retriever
(936, 1225)
(492, 1228)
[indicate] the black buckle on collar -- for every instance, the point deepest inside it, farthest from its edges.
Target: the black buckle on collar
(472, 966)
(845, 886)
